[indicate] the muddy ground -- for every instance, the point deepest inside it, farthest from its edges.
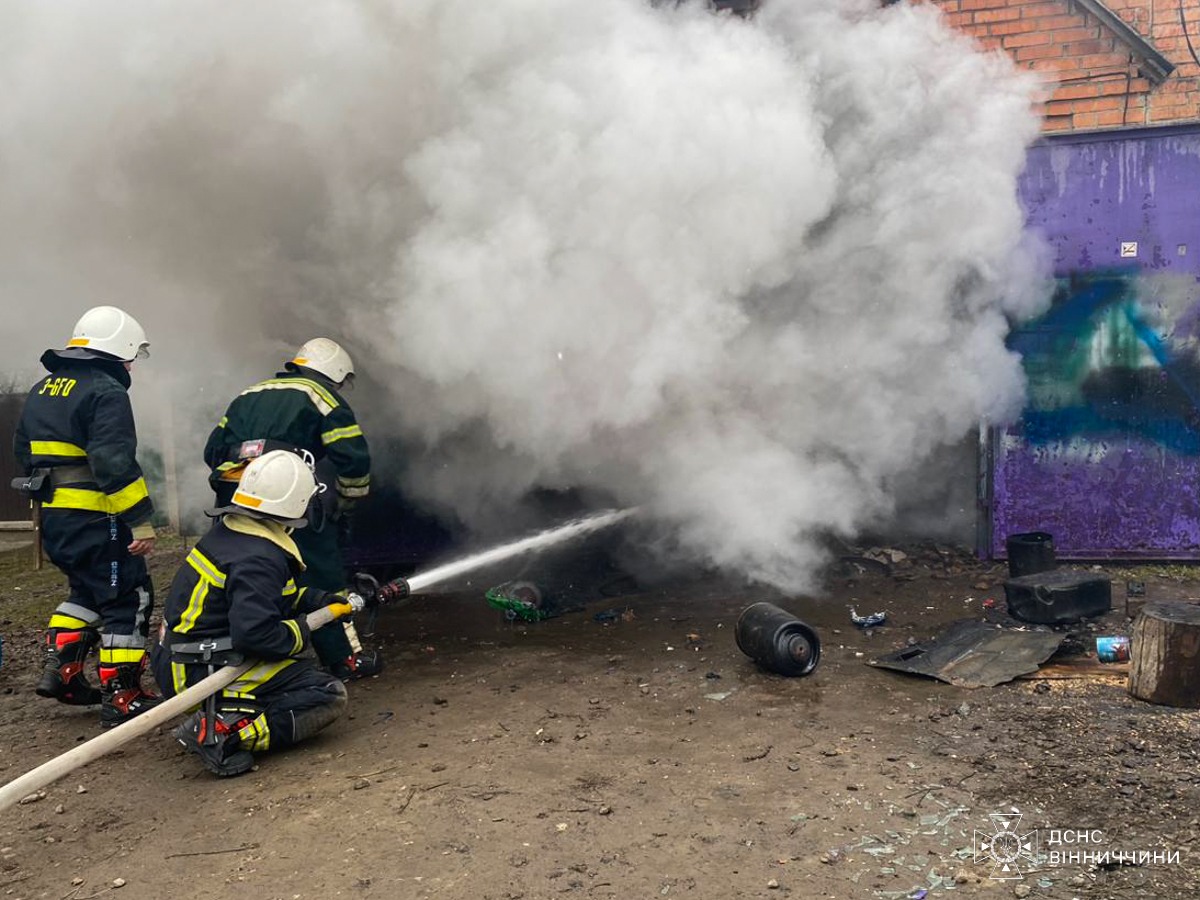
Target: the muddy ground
(638, 756)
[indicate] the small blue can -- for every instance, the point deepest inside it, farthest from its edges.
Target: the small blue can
(1112, 648)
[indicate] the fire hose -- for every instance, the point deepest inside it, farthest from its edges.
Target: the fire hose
(68, 762)
(367, 593)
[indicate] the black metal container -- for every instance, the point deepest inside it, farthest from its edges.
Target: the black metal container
(777, 640)
(1030, 553)
(1059, 597)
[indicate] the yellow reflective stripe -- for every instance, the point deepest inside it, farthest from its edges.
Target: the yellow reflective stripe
(354, 482)
(256, 736)
(340, 434)
(290, 587)
(56, 448)
(311, 385)
(98, 501)
(117, 655)
(256, 677)
(128, 497)
(206, 567)
(70, 623)
(224, 421)
(78, 498)
(324, 401)
(298, 642)
(346, 491)
(179, 677)
(195, 605)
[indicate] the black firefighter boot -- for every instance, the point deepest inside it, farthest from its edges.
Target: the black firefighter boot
(214, 738)
(122, 693)
(63, 679)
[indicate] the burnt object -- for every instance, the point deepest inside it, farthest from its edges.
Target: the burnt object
(1058, 597)
(777, 640)
(1029, 553)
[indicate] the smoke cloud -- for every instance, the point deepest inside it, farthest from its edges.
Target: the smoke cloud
(744, 274)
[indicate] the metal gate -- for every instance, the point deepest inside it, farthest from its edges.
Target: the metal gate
(1106, 455)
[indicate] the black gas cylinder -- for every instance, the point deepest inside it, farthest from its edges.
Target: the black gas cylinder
(777, 640)
(1029, 553)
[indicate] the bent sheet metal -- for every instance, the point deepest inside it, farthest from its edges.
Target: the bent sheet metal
(975, 654)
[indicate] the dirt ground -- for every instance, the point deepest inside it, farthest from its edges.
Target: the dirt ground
(639, 755)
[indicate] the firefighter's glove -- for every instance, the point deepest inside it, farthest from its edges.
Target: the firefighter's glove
(349, 606)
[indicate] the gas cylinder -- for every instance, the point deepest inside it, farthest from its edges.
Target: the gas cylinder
(777, 640)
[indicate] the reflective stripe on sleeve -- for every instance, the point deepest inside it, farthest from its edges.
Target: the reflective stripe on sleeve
(56, 448)
(354, 487)
(340, 434)
(298, 641)
(128, 497)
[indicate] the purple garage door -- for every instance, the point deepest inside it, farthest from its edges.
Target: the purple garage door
(1106, 456)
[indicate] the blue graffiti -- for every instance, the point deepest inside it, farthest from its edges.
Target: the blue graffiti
(1098, 368)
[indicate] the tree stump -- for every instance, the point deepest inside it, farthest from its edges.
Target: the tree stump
(1164, 654)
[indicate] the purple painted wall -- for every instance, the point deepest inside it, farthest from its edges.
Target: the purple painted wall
(1106, 456)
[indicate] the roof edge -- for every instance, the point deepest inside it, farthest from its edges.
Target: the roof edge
(1155, 66)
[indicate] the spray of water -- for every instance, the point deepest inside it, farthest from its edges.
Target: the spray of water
(532, 544)
(746, 275)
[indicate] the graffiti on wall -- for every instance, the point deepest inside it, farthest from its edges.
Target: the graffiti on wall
(1117, 356)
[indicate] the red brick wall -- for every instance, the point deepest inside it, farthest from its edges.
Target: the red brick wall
(1091, 75)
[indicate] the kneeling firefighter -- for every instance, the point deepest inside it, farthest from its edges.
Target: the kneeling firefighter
(302, 409)
(235, 599)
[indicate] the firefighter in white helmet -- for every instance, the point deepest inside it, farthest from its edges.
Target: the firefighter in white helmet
(235, 599)
(77, 445)
(303, 408)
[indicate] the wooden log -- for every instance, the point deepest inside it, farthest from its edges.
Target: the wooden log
(1164, 657)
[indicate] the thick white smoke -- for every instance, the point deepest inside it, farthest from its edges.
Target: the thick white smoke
(743, 274)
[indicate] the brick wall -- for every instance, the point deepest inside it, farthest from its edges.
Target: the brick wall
(1092, 76)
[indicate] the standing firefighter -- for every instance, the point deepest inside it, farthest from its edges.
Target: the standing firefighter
(301, 409)
(235, 599)
(77, 444)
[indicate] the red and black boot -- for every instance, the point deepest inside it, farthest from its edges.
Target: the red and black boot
(214, 738)
(362, 664)
(122, 694)
(63, 679)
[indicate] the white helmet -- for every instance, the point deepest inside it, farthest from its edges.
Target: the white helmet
(327, 357)
(278, 484)
(112, 331)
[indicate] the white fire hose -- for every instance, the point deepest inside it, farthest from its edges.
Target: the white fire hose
(49, 772)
